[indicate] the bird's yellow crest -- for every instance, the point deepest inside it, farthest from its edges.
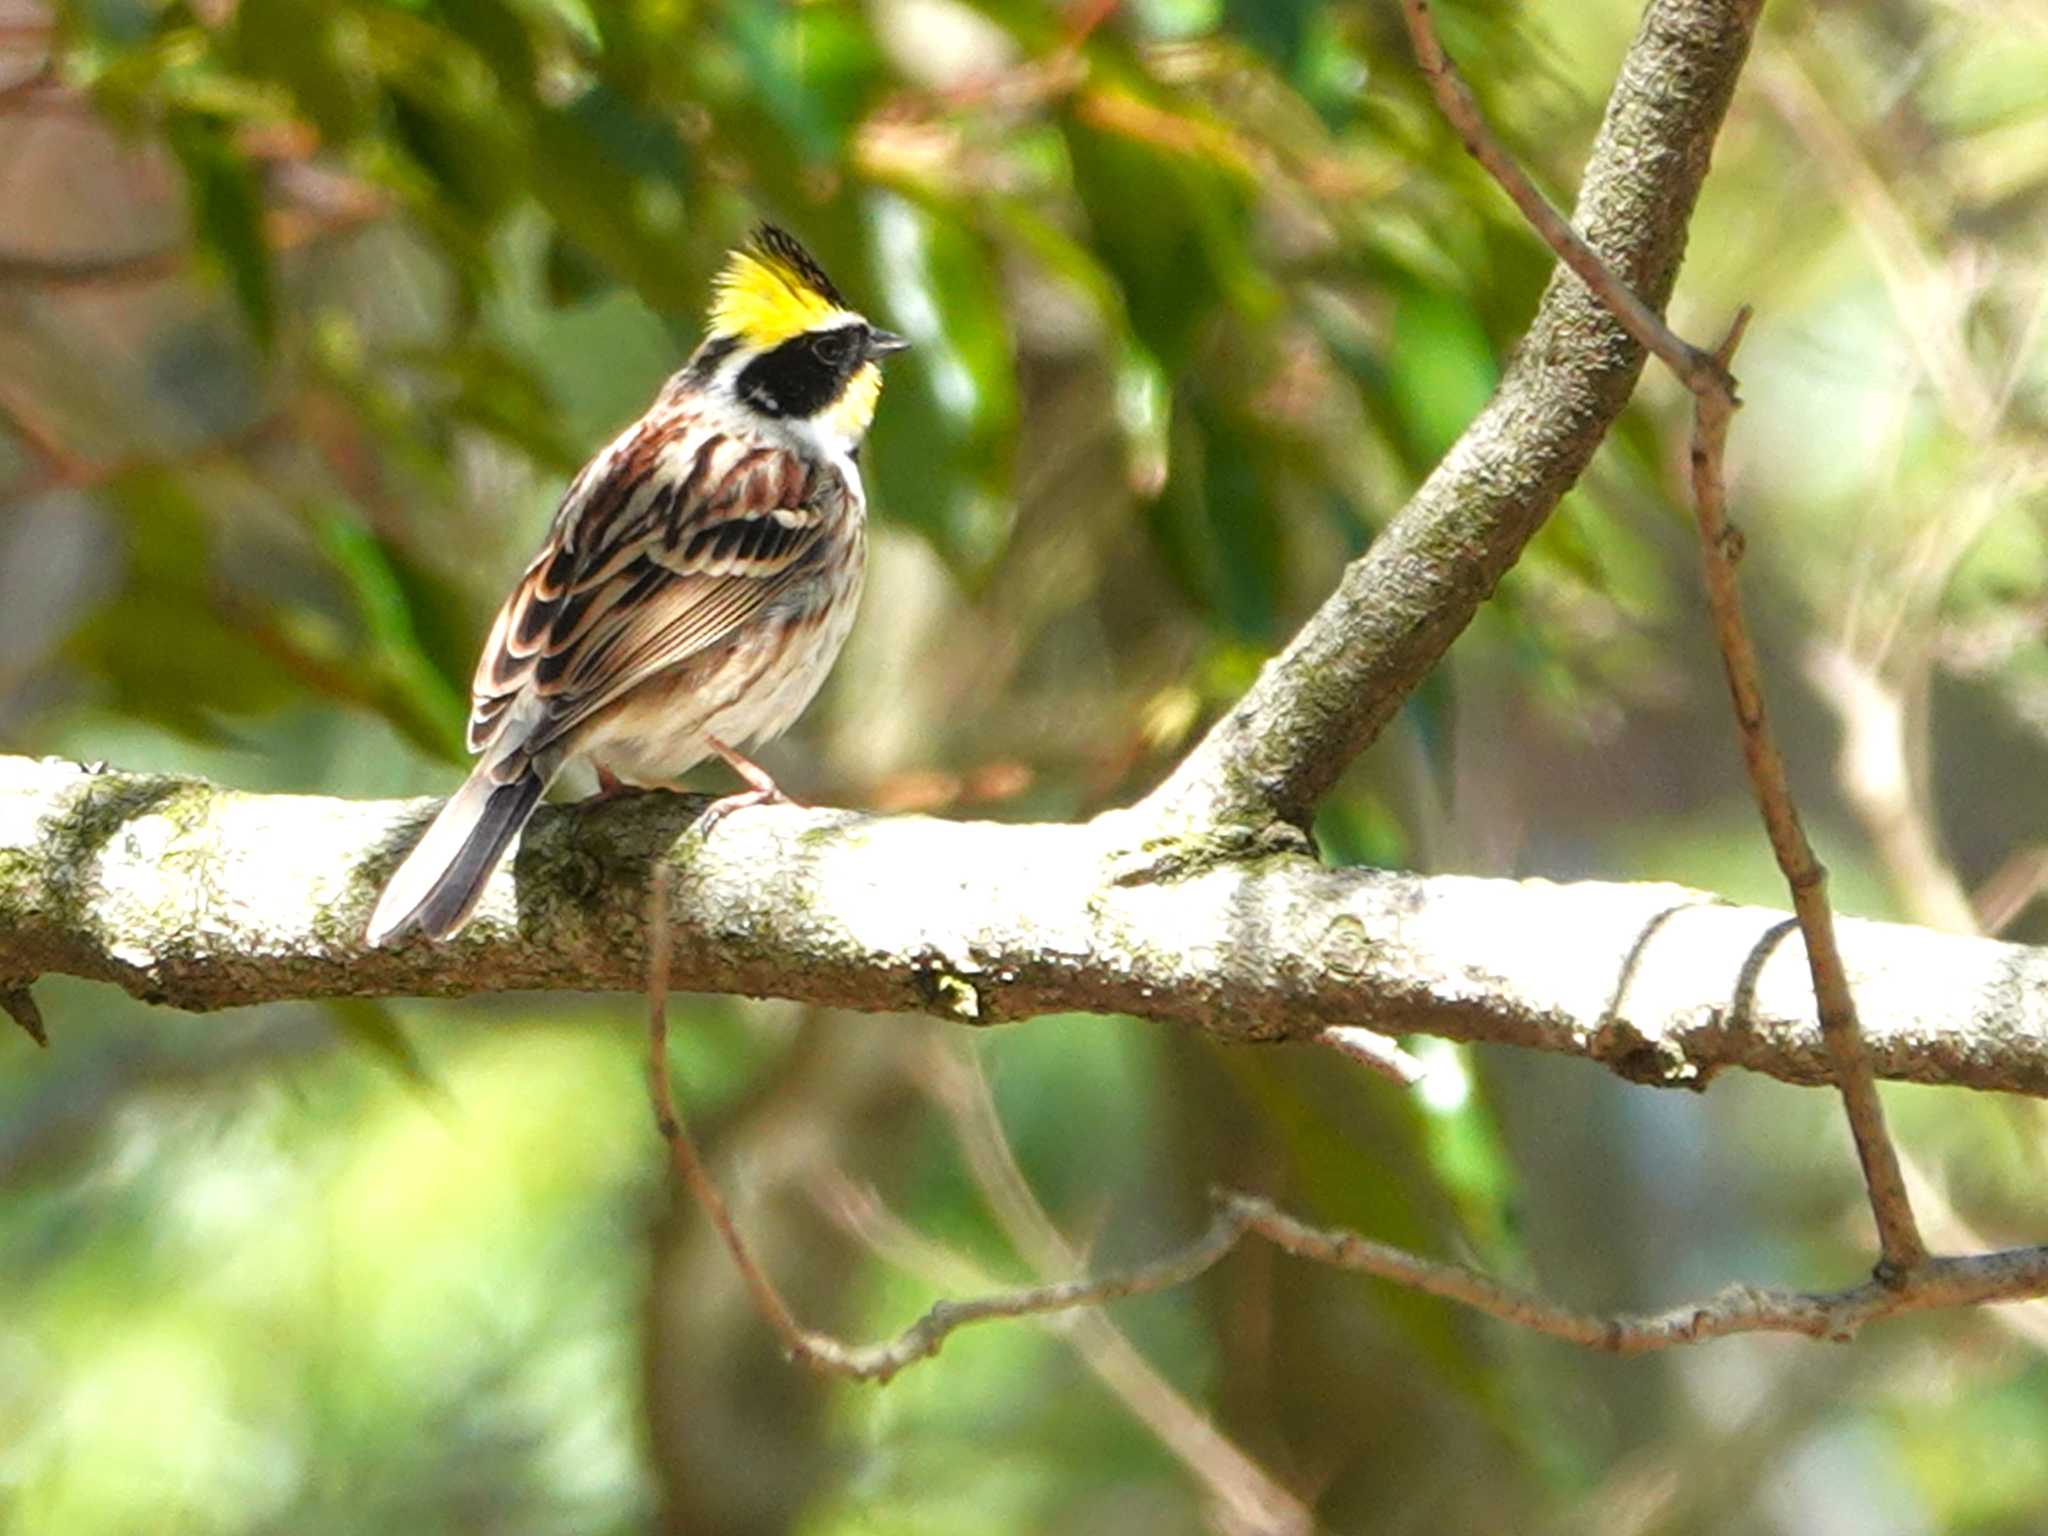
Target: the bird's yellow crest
(772, 289)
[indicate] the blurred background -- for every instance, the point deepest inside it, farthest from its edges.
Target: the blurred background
(308, 309)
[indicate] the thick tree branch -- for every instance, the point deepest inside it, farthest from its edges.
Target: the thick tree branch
(198, 897)
(1399, 606)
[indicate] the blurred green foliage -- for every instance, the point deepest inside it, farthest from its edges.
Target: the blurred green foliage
(307, 312)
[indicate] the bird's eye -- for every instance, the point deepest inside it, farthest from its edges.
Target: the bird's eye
(834, 348)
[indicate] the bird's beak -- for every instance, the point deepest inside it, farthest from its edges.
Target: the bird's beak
(881, 343)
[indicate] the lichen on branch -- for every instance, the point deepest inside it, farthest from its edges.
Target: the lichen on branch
(199, 897)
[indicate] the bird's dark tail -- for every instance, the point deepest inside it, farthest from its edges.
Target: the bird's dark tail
(442, 879)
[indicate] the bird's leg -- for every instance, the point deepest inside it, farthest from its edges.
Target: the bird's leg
(610, 786)
(760, 790)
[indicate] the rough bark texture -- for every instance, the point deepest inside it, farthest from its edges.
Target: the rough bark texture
(1198, 905)
(199, 897)
(1401, 604)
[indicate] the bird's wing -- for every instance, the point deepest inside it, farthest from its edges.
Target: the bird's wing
(669, 541)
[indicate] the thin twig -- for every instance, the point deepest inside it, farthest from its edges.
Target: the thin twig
(689, 1167)
(2016, 1274)
(42, 76)
(1720, 548)
(1249, 1503)
(1714, 405)
(1698, 370)
(1254, 1502)
(2009, 1275)
(1876, 776)
(921, 1340)
(95, 269)
(2011, 888)
(1945, 1225)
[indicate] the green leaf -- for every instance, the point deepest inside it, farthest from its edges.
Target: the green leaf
(569, 273)
(612, 179)
(376, 1027)
(942, 440)
(414, 694)
(470, 158)
(644, 47)
(1373, 1175)
(1143, 392)
(1277, 28)
(812, 68)
(294, 44)
(163, 645)
(1162, 222)
(492, 387)
(226, 203)
(1219, 523)
(498, 34)
(1440, 369)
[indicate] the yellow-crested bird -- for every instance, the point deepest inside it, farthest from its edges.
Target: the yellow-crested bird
(693, 590)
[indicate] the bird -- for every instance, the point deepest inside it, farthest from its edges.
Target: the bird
(695, 586)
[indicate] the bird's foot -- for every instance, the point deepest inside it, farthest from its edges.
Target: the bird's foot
(761, 789)
(725, 805)
(611, 787)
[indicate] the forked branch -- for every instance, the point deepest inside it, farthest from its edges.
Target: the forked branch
(1698, 371)
(1720, 546)
(1317, 705)
(1707, 376)
(822, 1352)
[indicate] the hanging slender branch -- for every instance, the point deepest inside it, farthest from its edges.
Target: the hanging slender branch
(1714, 405)
(1720, 547)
